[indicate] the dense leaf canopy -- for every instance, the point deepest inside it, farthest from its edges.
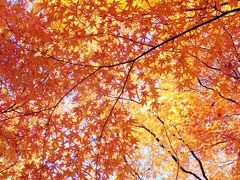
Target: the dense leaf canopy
(119, 89)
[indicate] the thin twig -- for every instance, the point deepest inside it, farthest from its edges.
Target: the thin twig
(172, 156)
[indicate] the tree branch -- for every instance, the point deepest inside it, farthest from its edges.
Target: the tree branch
(228, 99)
(176, 36)
(172, 156)
(135, 172)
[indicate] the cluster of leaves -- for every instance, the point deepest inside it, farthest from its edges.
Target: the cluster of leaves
(119, 89)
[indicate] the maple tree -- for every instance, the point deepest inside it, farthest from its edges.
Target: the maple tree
(122, 89)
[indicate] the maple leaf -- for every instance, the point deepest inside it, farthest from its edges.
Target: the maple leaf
(118, 89)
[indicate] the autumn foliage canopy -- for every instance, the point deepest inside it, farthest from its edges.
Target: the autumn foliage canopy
(119, 89)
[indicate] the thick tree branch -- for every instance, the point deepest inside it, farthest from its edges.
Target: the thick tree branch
(176, 36)
(152, 47)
